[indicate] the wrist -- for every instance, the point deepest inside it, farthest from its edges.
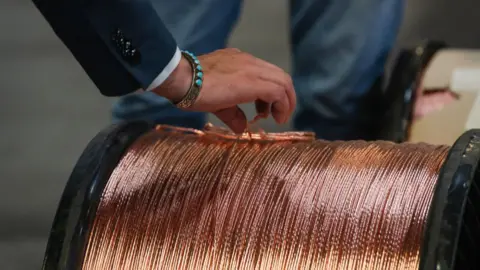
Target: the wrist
(175, 87)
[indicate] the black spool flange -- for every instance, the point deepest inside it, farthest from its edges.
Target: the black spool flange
(452, 235)
(400, 94)
(67, 242)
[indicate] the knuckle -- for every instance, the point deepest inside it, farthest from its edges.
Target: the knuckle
(246, 56)
(246, 74)
(288, 82)
(274, 95)
(232, 50)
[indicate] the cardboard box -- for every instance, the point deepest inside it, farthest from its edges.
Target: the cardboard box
(460, 71)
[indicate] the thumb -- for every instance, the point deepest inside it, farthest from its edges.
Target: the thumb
(234, 118)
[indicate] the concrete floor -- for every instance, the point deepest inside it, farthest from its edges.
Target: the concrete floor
(49, 109)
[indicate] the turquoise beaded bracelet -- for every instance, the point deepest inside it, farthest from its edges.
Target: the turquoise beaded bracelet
(197, 82)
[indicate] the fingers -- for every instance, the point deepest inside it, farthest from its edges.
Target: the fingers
(278, 97)
(234, 118)
(281, 92)
(280, 77)
(281, 110)
(292, 97)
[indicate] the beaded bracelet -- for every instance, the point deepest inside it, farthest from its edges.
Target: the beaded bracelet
(197, 81)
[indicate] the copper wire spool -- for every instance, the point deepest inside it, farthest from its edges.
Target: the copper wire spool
(144, 197)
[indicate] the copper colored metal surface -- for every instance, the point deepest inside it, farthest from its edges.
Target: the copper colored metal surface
(186, 199)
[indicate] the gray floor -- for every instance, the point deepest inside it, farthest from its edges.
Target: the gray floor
(49, 110)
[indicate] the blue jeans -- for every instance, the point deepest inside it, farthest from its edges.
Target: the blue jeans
(339, 51)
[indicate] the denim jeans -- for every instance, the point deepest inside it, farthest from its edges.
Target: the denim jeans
(339, 50)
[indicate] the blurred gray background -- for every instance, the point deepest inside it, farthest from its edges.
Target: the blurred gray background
(49, 109)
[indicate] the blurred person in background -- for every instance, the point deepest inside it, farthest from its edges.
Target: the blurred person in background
(339, 51)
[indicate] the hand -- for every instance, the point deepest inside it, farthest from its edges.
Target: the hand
(231, 78)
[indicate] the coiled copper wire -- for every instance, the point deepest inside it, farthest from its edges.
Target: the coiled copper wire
(186, 199)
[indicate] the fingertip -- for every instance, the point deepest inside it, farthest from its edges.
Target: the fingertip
(279, 113)
(240, 122)
(282, 110)
(239, 126)
(292, 97)
(234, 118)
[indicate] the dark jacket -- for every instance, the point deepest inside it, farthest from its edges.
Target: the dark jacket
(122, 44)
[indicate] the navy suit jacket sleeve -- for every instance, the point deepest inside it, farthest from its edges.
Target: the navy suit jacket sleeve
(121, 44)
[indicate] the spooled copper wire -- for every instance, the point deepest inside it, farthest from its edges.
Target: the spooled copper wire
(189, 199)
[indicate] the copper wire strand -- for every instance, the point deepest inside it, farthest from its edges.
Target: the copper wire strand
(190, 199)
